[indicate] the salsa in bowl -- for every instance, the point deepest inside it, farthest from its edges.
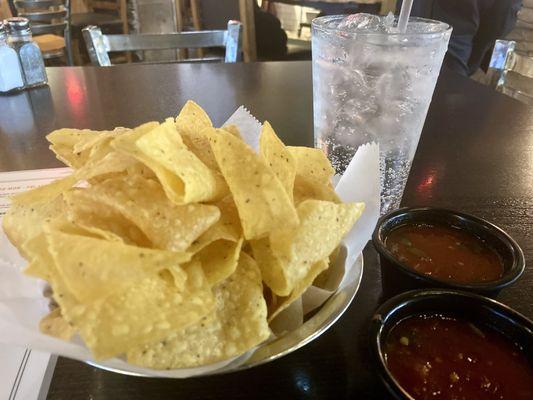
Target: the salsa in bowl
(427, 247)
(446, 344)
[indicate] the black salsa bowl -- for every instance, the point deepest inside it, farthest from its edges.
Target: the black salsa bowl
(473, 307)
(398, 277)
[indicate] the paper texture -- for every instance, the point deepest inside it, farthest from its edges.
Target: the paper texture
(22, 303)
(24, 373)
(360, 182)
(22, 370)
(249, 126)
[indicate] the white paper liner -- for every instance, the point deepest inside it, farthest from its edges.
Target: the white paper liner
(249, 126)
(22, 303)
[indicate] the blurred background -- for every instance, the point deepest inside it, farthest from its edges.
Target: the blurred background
(492, 41)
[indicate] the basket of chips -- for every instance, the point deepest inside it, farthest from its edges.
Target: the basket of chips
(177, 249)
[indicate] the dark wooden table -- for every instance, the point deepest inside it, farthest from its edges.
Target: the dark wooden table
(475, 155)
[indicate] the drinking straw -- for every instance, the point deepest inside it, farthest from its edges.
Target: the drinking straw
(404, 15)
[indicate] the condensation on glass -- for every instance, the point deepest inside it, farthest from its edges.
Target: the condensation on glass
(372, 83)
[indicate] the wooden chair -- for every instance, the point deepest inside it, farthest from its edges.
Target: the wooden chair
(103, 13)
(511, 73)
(5, 11)
(49, 25)
(157, 16)
(110, 15)
(99, 46)
(209, 14)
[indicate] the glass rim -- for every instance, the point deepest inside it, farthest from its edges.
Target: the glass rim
(319, 23)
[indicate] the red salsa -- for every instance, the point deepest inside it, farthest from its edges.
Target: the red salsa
(441, 357)
(445, 252)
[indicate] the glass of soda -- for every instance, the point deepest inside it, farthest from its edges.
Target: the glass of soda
(372, 83)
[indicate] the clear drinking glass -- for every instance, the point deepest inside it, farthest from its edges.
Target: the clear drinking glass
(372, 83)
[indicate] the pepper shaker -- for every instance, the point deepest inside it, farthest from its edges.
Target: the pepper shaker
(10, 70)
(29, 54)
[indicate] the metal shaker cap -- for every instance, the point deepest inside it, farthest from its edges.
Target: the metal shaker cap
(18, 26)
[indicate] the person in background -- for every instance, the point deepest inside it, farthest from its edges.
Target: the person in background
(477, 24)
(271, 39)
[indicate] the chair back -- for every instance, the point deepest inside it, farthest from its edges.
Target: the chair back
(117, 8)
(511, 73)
(160, 16)
(110, 6)
(210, 14)
(99, 46)
(46, 16)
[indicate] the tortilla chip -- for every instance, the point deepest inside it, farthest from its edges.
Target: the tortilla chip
(233, 130)
(301, 286)
(148, 310)
(261, 200)
(237, 325)
(143, 202)
(313, 175)
(191, 122)
(331, 278)
(73, 146)
(94, 269)
(105, 165)
(55, 325)
(126, 143)
(312, 164)
(165, 146)
(44, 193)
(278, 157)
(83, 211)
(146, 246)
(40, 263)
(219, 259)
(23, 222)
(287, 257)
(313, 190)
(145, 313)
(228, 227)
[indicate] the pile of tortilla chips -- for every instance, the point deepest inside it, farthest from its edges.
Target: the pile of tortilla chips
(174, 243)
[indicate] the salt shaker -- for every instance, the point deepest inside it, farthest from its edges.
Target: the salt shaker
(10, 69)
(28, 52)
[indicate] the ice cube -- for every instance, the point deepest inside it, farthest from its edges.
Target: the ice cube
(361, 21)
(369, 23)
(388, 21)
